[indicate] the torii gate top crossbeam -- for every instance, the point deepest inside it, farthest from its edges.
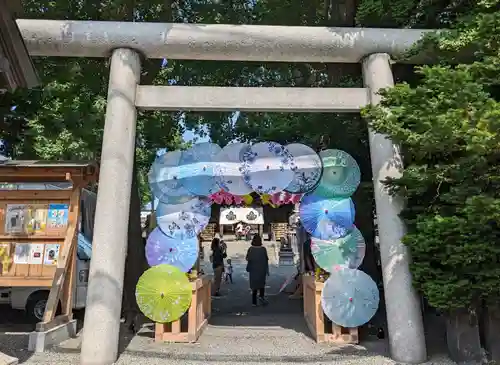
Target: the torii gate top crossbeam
(222, 42)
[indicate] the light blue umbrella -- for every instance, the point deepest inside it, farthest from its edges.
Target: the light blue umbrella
(306, 166)
(228, 171)
(165, 180)
(267, 167)
(341, 174)
(350, 298)
(348, 251)
(197, 168)
(181, 253)
(181, 220)
(326, 218)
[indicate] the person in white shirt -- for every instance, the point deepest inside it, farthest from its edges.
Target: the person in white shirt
(239, 230)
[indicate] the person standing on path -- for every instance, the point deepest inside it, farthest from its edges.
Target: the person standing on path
(258, 269)
(218, 256)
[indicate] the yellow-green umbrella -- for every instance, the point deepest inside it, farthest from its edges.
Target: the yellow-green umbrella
(163, 293)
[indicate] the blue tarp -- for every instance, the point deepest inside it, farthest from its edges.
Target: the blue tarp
(84, 248)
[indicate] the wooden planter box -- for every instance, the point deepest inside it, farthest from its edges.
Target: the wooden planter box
(190, 327)
(322, 329)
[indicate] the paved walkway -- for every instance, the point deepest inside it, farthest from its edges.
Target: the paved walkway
(237, 334)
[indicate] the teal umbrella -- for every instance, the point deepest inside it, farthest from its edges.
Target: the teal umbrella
(341, 175)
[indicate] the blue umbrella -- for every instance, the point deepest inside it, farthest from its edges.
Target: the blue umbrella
(197, 168)
(165, 181)
(326, 218)
(350, 298)
(341, 174)
(181, 253)
(181, 220)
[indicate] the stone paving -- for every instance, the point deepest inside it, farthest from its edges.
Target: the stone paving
(237, 334)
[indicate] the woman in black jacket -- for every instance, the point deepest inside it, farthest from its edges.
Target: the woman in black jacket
(218, 256)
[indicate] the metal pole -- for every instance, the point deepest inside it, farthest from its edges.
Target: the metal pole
(404, 316)
(104, 297)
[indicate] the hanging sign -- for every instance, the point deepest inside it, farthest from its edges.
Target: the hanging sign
(241, 214)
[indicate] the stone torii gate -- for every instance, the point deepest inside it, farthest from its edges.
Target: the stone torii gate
(126, 43)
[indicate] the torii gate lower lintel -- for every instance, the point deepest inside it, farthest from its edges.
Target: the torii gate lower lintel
(125, 41)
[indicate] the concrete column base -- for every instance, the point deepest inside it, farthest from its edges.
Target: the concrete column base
(8, 360)
(41, 341)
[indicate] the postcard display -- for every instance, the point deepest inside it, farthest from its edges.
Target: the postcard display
(31, 237)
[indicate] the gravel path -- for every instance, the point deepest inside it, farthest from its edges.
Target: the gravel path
(238, 333)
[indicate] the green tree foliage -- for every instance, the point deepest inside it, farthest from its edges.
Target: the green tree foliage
(65, 118)
(448, 126)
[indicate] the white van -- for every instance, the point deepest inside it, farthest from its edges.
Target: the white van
(34, 299)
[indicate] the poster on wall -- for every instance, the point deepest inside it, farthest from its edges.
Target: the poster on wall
(5, 259)
(36, 254)
(15, 219)
(22, 253)
(57, 219)
(51, 254)
(36, 218)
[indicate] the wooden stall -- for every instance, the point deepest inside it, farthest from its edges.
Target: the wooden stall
(323, 330)
(39, 211)
(190, 327)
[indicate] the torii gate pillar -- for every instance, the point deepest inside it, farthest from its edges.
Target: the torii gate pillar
(404, 316)
(107, 267)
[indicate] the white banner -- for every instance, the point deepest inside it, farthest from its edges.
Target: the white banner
(241, 214)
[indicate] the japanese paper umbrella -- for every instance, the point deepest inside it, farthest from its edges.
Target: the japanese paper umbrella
(267, 167)
(350, 298)
(197, 168)
(164, 179)
(326, 218)
(228, 172)
(341, 174)
(161, 249)
(184, 220)
(307, 168)
(163, 293)
(348, 251)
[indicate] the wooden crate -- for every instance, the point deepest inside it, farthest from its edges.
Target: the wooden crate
(190, 327)
(323, 330)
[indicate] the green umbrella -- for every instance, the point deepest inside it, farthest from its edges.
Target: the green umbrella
(347, 251)
(341, 175)
(163, 293)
